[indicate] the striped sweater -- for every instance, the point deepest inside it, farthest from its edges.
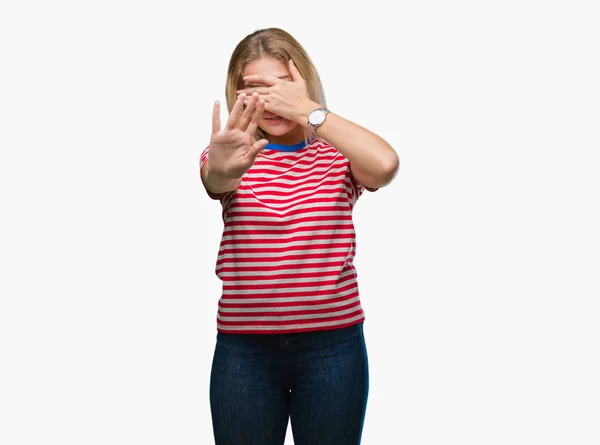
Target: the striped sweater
(288, 244)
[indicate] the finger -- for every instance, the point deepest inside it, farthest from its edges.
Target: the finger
(264, 97)
(216, 119)
(294, 72)
(252, 90)
(258, 112)
(236, 112)
(264, 79)
(257, 147)
(248, 112)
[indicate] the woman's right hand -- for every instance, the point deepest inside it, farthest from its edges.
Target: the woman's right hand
(231, 151)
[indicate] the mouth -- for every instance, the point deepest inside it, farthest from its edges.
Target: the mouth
(274, 119)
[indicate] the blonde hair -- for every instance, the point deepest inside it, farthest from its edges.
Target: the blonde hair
(280, 45)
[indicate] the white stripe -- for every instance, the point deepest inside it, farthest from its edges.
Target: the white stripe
(306, 251)
(290, 263)
(290, 317)
(268, 273)
(288, 219)
(231, 298)
(299, 211)
(283, 290)
(278, 281)
(312, 230)
(289, 245)
(321, 159)
(290, 308)
(274, 183)
(296, 179)
(316, 170)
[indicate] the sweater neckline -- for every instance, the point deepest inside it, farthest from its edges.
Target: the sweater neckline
(287, 147)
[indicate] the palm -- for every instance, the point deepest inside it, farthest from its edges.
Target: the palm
(231, 151)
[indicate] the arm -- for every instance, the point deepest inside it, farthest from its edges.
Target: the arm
(373, 161)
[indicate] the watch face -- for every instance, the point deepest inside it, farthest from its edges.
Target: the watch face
(316, 117)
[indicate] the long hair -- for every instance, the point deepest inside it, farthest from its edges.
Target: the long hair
(280, 45)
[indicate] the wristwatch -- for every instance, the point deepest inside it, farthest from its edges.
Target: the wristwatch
(317, 117)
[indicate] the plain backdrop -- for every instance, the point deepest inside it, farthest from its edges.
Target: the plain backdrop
(478, 265)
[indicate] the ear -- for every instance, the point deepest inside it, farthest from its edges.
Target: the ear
(294, 72)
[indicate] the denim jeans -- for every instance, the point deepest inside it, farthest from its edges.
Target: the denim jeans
(319, 380)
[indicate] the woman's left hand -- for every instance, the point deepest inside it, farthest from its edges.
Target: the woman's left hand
(287, 99)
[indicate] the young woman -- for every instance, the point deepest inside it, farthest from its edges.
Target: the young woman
(287, 171)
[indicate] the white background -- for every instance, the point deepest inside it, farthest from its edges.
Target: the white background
(479, 265)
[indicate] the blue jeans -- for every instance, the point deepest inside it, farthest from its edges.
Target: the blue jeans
(319, 380)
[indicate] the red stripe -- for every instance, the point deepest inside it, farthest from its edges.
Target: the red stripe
(263, 165)
(288, 322)
(282, 286)
(298, 276)
(269, 250)
(284, 189)
(307, 256)
(265, 268)
(288, 293)
(269, 214)
(308, 219)
(301, 175)
(231, 232)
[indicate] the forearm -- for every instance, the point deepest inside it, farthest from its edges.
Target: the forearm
(371, 156)
(216, 183)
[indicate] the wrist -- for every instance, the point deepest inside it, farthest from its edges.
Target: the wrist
(217, 181)
(304, 110)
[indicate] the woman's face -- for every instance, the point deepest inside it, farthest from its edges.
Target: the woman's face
(271, 123)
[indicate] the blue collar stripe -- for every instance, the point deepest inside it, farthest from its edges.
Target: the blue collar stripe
(283, 147)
